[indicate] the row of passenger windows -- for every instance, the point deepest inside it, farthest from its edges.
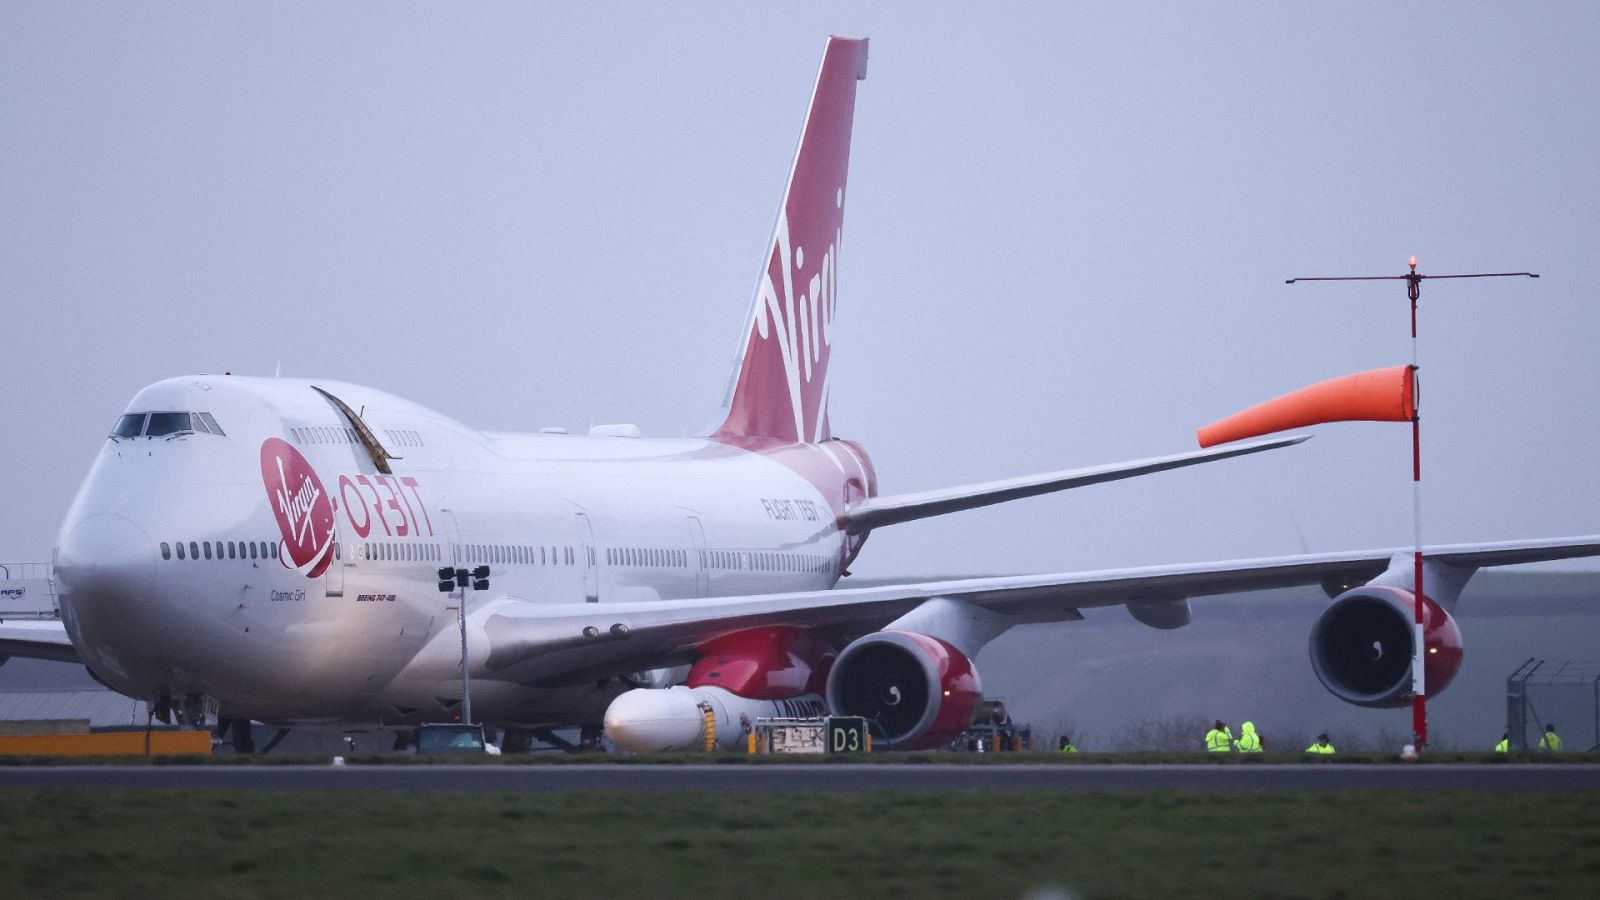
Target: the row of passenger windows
(736, 560)
(379, 551)
(334, 434)
(647, 556)
(733, 560)
(221, 549)
(516, 554)
(519, 554)
(403, 437)
(159, 424)
(382, 551)
(386, 551)
(323, 434)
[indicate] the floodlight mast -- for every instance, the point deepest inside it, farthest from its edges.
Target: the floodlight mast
(1413, 280)
(450, 580)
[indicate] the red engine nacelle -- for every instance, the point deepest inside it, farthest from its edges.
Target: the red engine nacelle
(1361, 647)
(764, 663)
(917, 691)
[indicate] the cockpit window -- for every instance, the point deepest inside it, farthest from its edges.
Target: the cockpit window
(130, 425)
(163, 423)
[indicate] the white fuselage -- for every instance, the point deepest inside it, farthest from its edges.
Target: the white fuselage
(369, 636)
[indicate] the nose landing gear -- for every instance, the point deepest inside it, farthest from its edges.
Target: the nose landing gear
(194, 711)
(236, 732)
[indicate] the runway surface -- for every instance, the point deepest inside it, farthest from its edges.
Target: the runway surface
(852, 778)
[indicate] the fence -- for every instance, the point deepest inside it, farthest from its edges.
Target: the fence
(1563, 693)
(32, 570)
(26, 591)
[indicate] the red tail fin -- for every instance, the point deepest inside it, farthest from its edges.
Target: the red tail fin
(779, 387)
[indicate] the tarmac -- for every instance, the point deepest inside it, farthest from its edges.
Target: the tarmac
(835, 777)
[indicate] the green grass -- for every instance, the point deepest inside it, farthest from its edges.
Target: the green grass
(741, 759)
(289, 844)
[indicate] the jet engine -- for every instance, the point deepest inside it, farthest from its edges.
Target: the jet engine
(918, 691)
(1361, 647)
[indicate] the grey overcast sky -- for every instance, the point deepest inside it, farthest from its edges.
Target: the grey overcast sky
(1065, 242)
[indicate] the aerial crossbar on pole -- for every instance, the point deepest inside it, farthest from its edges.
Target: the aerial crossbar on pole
(1419, 277)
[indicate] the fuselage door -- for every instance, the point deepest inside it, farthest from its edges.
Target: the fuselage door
(333, 578)
(452, 537)
(586, 559)
(697, 558)
(850, 544)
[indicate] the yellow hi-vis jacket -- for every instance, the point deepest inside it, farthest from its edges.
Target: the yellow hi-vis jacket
(1504, 746)
(1320, 748)
(1550, 741)
(1249, 741)
(1070, 748)
(1219, 741)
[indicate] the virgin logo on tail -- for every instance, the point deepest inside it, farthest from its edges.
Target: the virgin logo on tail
(301, 506)
(800, 325)
(780, 388)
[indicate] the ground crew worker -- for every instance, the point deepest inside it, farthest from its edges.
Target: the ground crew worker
(1321, 746)
(1219, 739)
(1505, 743)
(1551, 741)
(1066, 745)
(1249, 741)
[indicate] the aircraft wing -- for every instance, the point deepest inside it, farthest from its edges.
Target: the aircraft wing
(46, 639)
(878, 511)
(534, 641)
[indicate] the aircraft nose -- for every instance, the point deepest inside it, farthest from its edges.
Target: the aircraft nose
(106, 560)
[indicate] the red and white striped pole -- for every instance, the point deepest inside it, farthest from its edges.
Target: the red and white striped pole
(1419, 696)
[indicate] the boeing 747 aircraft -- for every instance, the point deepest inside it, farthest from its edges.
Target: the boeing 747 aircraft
(270, 549)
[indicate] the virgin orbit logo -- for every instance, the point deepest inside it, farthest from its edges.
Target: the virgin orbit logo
(302, 507)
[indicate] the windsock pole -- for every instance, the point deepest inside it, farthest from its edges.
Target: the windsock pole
(1419, 694)
(1413, 280)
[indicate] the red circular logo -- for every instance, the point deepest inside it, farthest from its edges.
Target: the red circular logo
(302, 507)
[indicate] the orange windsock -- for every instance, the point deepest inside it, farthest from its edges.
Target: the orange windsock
(1381, 395)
